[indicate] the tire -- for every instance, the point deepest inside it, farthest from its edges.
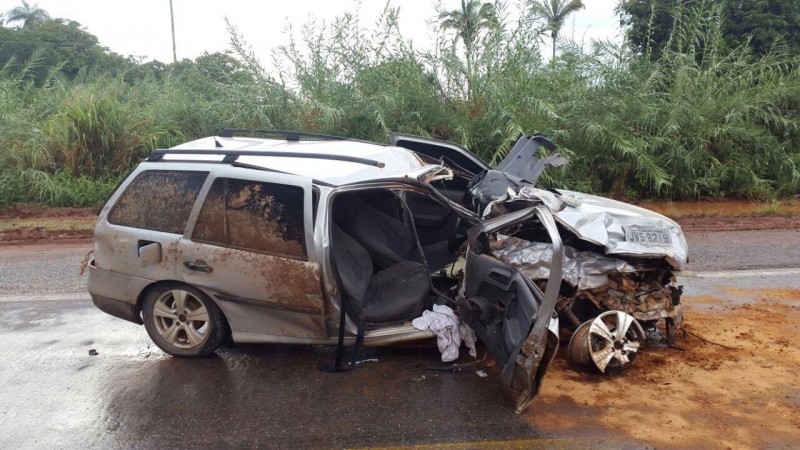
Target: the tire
(183, 321)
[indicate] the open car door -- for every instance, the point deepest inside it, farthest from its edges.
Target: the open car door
(509, 313)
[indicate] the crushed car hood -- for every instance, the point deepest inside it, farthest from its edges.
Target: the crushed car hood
(594, 219)
(603, 221)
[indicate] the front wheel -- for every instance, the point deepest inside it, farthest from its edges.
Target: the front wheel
(183, 321)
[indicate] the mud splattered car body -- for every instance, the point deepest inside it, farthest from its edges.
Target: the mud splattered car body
(314, 239)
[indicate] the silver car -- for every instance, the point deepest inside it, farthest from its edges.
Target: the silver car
(312, 239)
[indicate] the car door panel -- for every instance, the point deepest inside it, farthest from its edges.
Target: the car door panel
(265, 285)
(508, 312)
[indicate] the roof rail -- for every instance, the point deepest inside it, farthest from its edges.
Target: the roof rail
(288, 135)
(232, 155)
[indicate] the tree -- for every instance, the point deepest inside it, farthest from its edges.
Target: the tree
(27, 14)
(555, 13)
(649, 23)
(763, 22)
(468, 22)
(58, 43)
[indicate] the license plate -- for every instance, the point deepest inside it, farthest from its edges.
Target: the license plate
(647, 235)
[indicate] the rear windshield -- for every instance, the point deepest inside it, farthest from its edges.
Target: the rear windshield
(159, 200)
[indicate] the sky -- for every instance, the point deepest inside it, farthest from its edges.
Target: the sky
(142, 27)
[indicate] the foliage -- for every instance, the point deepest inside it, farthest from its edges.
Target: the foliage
(27, 14)
(58, 43)
(697, 119)
(757, 23)
(58, 189)
(555, 13)
(469, 21)
(762, 23)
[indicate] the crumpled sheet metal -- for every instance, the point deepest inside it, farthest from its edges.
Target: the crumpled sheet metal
(644, 300)
(584, 270)
(601, 220)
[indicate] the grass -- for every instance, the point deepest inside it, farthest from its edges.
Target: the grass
(699, 121)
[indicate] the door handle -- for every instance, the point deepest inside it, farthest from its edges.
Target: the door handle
(198, 266)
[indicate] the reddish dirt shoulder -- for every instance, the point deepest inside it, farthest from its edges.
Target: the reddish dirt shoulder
(738, 223)
(33, 223)
(744, 393)
(18, 211)
(20, 224)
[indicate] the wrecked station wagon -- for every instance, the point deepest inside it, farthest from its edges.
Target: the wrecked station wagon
(312, 239)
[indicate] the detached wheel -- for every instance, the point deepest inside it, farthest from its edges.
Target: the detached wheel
(183, 321)
(609, 342)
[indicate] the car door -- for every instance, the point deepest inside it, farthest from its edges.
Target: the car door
(250, 243)
(508, 312)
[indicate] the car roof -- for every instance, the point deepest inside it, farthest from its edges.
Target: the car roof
(392, 162)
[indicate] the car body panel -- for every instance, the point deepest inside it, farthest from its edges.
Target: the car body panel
(601, 220)
(118, 248)
(254, 292)
(595, 219)
(397, 162)
(455, 156)
(507, 310)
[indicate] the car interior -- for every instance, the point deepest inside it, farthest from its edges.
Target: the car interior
(389, 249)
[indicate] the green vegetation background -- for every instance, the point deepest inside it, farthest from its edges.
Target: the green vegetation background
(679, 114)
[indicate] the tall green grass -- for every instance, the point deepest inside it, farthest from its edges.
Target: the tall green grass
(698, 121)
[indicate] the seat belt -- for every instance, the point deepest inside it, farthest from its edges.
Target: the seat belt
(340, 350)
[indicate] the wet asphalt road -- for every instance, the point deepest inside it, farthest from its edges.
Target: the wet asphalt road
(742, 250)
(54, 394)
(132, 395)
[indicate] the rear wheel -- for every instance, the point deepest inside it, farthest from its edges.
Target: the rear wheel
(183, 321)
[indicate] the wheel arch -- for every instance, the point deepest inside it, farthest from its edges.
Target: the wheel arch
(157, 284)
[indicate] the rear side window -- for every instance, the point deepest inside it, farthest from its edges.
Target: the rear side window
(159, 200)
(252, 215)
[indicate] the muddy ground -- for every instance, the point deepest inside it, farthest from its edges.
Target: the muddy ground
(737, 388)
(33, 223)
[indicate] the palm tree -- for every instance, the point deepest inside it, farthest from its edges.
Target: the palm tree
(27, 14)
(468, 21)
(555, 12)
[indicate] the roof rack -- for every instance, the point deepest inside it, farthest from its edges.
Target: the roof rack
(232, 155)
(288, 135)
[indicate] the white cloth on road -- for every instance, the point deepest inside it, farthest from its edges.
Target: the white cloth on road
(443, 322)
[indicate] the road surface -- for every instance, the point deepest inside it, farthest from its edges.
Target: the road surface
(54, 394)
